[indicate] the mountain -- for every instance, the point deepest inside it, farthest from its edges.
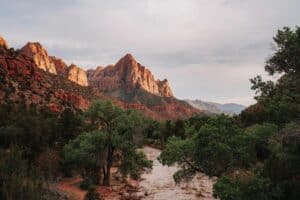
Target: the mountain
(212, 107)
(39, 55)
(53, 65)
(29, 75)
(77, 75)
(131, 82)
(127, 74)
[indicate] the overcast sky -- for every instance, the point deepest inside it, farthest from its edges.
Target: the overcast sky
(207, 49)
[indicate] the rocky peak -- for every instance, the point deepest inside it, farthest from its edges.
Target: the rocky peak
(40, 56)
(164, 88)
(93, 74)
(60, 65)
(128, 74)
(77, 75)
(3, 43)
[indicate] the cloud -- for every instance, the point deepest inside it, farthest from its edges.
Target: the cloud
(192, 40)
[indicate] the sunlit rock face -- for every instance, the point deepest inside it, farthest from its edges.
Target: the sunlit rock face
(3, 43)
(40, 56)
(54, 65)
(48, 82)
(129, 74)
(77, 75)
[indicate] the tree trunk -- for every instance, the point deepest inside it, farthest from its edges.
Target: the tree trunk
(106, 169)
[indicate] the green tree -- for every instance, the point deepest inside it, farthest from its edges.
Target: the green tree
(18, 179)
(114, 133)
(281, 100)
(92, 194)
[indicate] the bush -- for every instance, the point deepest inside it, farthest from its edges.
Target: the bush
(86, 184)
(93, 194)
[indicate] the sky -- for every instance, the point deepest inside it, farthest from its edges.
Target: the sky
(207, 49)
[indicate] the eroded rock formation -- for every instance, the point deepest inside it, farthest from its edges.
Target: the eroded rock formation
(128, 74)
(3, 43)
(40, 56)
(29, 75)
(60, 65)
(77, 75)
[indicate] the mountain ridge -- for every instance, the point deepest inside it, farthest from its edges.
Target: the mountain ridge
(128, 74)
(217, 108)
(32, 76)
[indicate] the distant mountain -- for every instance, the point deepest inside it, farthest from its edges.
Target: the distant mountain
(212, 107)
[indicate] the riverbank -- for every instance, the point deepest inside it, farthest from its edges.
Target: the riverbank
(155, 184)
(158, 183)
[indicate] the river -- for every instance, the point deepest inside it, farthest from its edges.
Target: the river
(158, 183)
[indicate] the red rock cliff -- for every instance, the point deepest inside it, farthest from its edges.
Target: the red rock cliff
(40, 56)
(128, 74)
(77, 75)
(3, 43)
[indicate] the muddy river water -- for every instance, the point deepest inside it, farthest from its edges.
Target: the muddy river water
(158, 183)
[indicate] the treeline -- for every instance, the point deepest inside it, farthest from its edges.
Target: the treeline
(38, 146)
(30, 144)
(255, 155)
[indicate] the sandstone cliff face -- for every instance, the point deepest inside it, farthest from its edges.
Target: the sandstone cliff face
(77, 75)
(54, 65)
(3, 43)
(94, 74)
(128, 74)
(23, 81)
(60, 65)
(40, 56)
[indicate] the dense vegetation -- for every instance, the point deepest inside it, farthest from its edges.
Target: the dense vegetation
(37, 147)
(256, 155)
(30, 142)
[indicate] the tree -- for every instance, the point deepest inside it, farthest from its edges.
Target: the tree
(92, 194)
(113, 132)
(286, 57)
(281, 100)
(19, 179)
(86, 154)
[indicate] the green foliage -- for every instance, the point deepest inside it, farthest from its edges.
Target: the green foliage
(286, 56)
(280, 100)
(86, 184)
(248, 188)
(133, 162)
(177, 151)
(36, 130)
(263, 142)
(111, 140)
(92, 194)
(18, 180)
(86, 154)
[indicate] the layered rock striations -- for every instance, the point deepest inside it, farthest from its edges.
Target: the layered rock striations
(77, 75)
(128, 74)
(54, 65)
(30, 75)
(40, 56)
(60, 65)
